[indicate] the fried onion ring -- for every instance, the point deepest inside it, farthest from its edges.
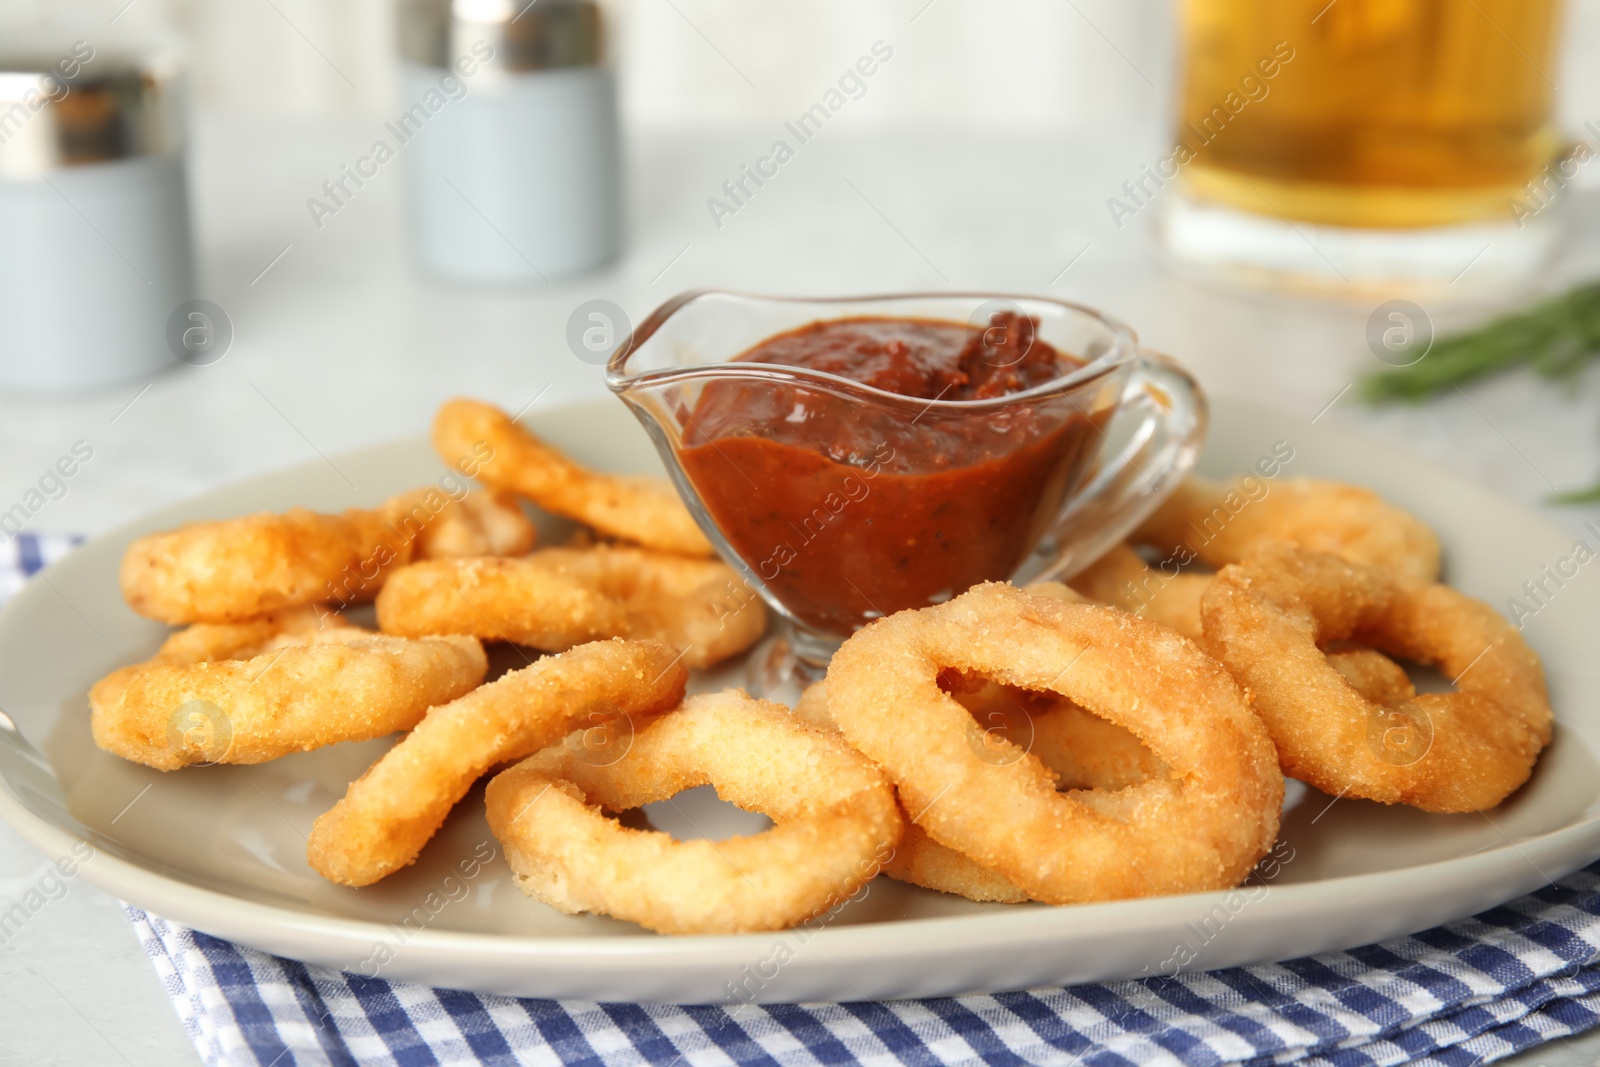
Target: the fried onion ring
(498, 600)
(486, 523)
(812, 707)
(391, 811)
(205, 642)
(274, 686)
(560, 597)
(1223, 523)
(834, 816)
(1056, 591)
(918, 859)
(1202, 826)
(645, 511)
(1218, 524)
(1122, 579)
(231, 570)
(1446, 752)
(1081, 751)
(1372, 674)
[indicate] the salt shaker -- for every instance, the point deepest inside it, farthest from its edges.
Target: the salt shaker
(95, 250)
(509, 132)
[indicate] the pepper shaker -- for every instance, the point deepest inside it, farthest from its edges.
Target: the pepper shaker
(95, 250)
(510, 136)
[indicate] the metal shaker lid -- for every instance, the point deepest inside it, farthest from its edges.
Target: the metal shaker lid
(72, 106)
(503, 35)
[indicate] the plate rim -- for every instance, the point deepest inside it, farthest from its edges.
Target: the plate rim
(39, 831)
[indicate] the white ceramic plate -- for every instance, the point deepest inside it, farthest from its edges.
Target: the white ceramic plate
(222, 848)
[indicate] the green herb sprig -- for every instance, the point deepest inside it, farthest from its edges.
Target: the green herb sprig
(1557, 338)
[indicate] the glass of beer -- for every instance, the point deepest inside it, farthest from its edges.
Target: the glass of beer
(1364, 143)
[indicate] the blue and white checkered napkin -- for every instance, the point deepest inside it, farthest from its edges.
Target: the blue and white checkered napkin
(23, 554)
(1468, 993)
(1459, 995)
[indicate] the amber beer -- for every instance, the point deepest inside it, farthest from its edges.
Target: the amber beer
(1389, 113)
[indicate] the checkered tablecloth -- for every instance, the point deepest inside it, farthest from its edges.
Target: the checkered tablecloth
(1468, 993)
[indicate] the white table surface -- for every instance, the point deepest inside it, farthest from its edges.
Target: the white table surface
(339, 344)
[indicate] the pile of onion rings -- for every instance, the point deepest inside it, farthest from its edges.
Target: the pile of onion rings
(1122, 735)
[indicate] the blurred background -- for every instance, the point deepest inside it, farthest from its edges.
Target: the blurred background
(984, 155)
(1039, 67)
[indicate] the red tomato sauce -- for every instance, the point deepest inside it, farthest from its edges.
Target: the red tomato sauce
(849, 508)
